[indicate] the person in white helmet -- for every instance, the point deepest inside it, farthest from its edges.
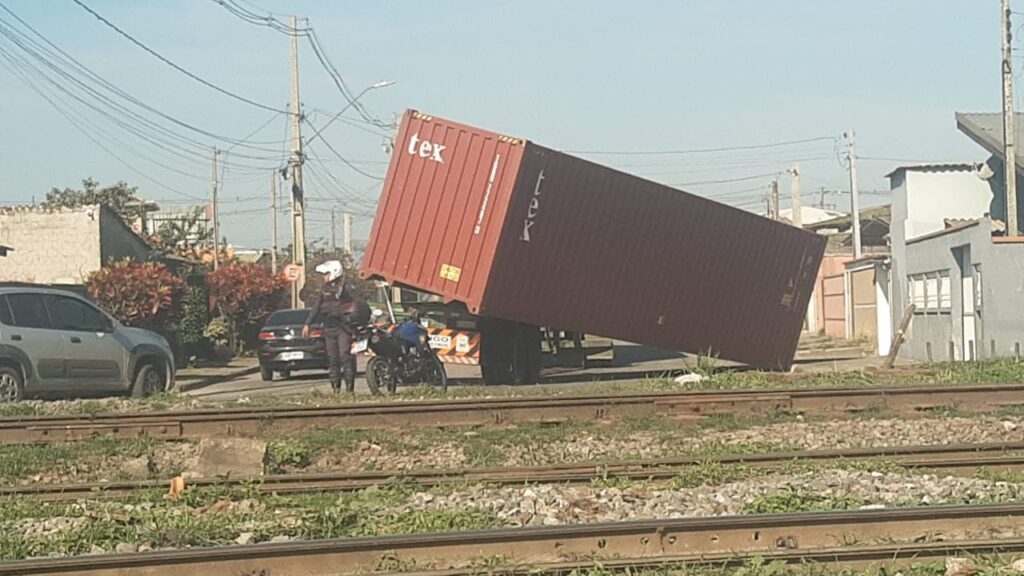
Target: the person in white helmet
(334, 303)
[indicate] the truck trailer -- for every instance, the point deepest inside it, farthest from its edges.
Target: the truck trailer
(513, 236)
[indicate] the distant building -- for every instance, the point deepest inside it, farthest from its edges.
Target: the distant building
(809, 215)
(951, 260)
(64, 245)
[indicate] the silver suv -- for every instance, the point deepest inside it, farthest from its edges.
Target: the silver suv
(54, 342)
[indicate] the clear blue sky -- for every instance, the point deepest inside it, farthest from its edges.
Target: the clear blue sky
(573, 75)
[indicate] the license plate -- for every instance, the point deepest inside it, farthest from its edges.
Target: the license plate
(359, 346)
(292, 355)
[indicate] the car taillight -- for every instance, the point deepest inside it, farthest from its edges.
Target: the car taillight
(266, 335)
(316, 333)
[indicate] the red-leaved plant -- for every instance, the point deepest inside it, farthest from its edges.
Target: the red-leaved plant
(144, 295)
(246, 293)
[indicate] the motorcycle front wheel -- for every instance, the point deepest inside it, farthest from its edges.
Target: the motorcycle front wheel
(434, 373)
(378, 375)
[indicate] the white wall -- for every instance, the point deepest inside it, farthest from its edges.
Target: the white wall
(933, 196)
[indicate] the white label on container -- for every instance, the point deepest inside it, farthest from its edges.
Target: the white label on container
(532, 210)
(487, 195)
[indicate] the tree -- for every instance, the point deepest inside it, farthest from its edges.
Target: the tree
(144, 295)
(119, 197)
(182, 236)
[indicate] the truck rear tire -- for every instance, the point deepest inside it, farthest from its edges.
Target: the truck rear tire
(526, 355)
(510, 352)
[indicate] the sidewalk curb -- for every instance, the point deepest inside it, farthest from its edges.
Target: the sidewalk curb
(205, 381)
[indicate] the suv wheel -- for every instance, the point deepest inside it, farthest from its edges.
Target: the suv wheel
(11, 386)
(148, 381)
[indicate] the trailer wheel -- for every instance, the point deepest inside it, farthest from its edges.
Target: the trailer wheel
(526, 354)
(497, 340)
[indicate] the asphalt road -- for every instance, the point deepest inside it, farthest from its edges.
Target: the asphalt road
(632, 362)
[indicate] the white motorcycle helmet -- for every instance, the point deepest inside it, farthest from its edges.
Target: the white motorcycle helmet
(332, 268)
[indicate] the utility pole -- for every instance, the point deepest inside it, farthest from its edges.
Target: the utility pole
(273, 221)
(346, 226)
(298, 202)
(334, 232)
(794, 190)
(821, 203)
(1009, 133)
(216, 215)
(775, 200)
(851, 156)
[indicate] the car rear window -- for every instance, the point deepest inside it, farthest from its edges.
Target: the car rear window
(6, 317)
(28, 310)
(289, 317)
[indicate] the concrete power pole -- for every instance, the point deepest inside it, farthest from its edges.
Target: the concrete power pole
(851, 155)
(216, 215)
(1009, 133)
(273, 221)
(775, 200)
(298, 202)
(346, 227)
(334, 232)
(794, 189)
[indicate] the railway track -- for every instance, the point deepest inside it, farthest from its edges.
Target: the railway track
(955, 459)
(846, 536)
(499, 411)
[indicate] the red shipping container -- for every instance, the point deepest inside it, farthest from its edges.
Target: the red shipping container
(521, 232)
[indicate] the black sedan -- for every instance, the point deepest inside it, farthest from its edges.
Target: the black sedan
(283, 349)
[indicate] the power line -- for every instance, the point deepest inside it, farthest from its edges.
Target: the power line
(702, 150)
(156, 55)
(342, 158)
(48, 57)
(727, 180)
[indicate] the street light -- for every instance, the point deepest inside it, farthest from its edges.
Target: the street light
(381, 84)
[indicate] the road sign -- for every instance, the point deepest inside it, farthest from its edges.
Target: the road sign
(292, 271)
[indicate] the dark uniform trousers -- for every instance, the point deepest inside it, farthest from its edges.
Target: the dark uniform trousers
(340, 361)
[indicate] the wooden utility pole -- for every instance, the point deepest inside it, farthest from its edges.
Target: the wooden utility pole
(346, 227)
(851, 156)
(216, 215)
(899, 338)
(775, 200)
(794, 190)
(334, 232)
(273, 221)
(298, 203)
(1009, 129)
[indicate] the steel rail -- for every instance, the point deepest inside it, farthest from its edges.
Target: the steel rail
(806, 534)
(953, 459)
(498, 411)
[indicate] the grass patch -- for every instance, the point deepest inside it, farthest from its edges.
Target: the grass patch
(790, 500)
(22, 460)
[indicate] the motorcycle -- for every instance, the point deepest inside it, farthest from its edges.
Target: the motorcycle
(402, 356)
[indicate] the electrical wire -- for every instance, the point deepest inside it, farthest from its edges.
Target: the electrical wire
(727, 180)
(168, 62)
(61, 62)
(701, 150)
(343, 159)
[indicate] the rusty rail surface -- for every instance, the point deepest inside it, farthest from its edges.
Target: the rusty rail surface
(825, 535)
(499, 411)
(951, 459)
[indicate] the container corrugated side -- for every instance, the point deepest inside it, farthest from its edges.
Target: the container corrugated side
(592, 249)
